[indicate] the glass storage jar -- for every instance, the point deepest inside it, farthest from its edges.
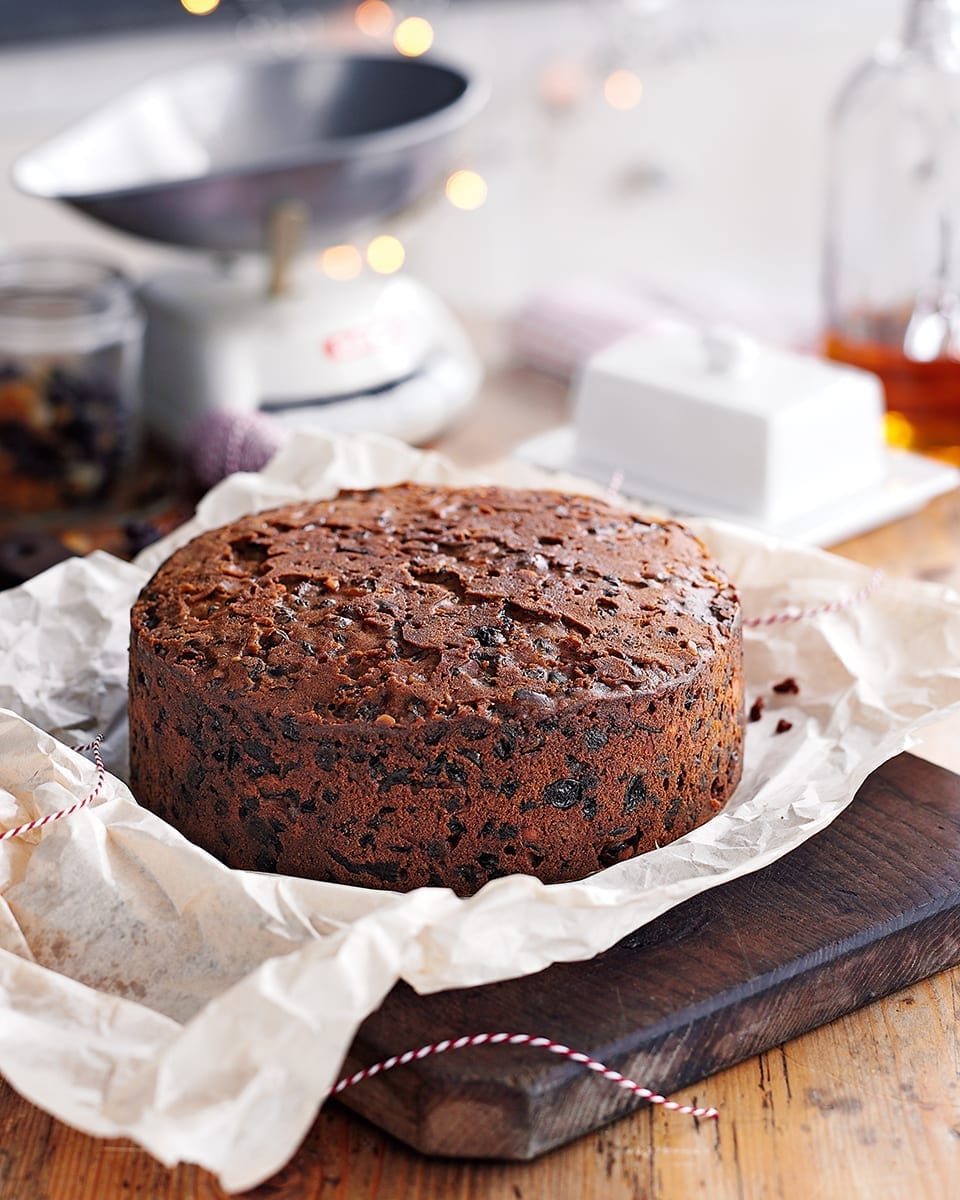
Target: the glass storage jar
(70, 342)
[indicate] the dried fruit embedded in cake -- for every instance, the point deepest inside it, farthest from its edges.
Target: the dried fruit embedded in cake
(563, 793)
(636, 796)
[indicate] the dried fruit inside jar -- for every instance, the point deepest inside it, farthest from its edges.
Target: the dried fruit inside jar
(70, 335)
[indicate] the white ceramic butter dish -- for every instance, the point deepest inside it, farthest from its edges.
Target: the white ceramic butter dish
(710, 423)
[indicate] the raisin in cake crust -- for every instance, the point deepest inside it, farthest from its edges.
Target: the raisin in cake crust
(418, 685)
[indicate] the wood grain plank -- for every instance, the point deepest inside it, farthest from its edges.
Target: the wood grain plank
(823, 1118)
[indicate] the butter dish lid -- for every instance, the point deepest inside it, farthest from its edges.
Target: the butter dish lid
(722, 364)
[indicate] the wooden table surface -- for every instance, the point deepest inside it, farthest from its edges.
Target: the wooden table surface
(868, 1107)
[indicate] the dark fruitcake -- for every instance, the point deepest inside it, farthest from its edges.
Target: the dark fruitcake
(418, 685)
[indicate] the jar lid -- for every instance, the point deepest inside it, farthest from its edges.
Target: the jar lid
(55, 302)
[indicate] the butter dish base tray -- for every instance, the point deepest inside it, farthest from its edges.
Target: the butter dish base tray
(911, 481)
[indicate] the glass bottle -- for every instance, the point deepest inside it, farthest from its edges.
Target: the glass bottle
(892, 246)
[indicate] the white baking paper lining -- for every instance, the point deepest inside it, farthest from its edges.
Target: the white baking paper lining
(148, 991)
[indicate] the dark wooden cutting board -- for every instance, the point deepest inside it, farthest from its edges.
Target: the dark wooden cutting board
(868, 906)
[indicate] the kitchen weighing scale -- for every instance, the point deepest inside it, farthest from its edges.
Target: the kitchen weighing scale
(259, 162)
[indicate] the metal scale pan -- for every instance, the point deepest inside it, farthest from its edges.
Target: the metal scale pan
(201, 156)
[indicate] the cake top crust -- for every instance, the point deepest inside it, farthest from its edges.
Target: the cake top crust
(411, 602)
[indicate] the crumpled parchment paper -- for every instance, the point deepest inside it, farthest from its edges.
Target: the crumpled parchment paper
(148, 991)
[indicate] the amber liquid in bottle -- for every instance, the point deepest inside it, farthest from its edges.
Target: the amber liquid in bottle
(922, 398)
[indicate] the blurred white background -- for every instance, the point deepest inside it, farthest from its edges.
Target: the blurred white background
(710, 183)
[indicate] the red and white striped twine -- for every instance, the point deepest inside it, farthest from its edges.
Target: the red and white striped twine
(512, 1039)
(833, 606)
(65, 812)
(399, 1060)
(524, 1039)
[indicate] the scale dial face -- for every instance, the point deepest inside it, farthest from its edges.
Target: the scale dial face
(216, 341)
(326, 342)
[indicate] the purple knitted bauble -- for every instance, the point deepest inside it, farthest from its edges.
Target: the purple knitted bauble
(222, 442)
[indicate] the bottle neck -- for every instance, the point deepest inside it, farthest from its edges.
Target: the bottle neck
(933, 27)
